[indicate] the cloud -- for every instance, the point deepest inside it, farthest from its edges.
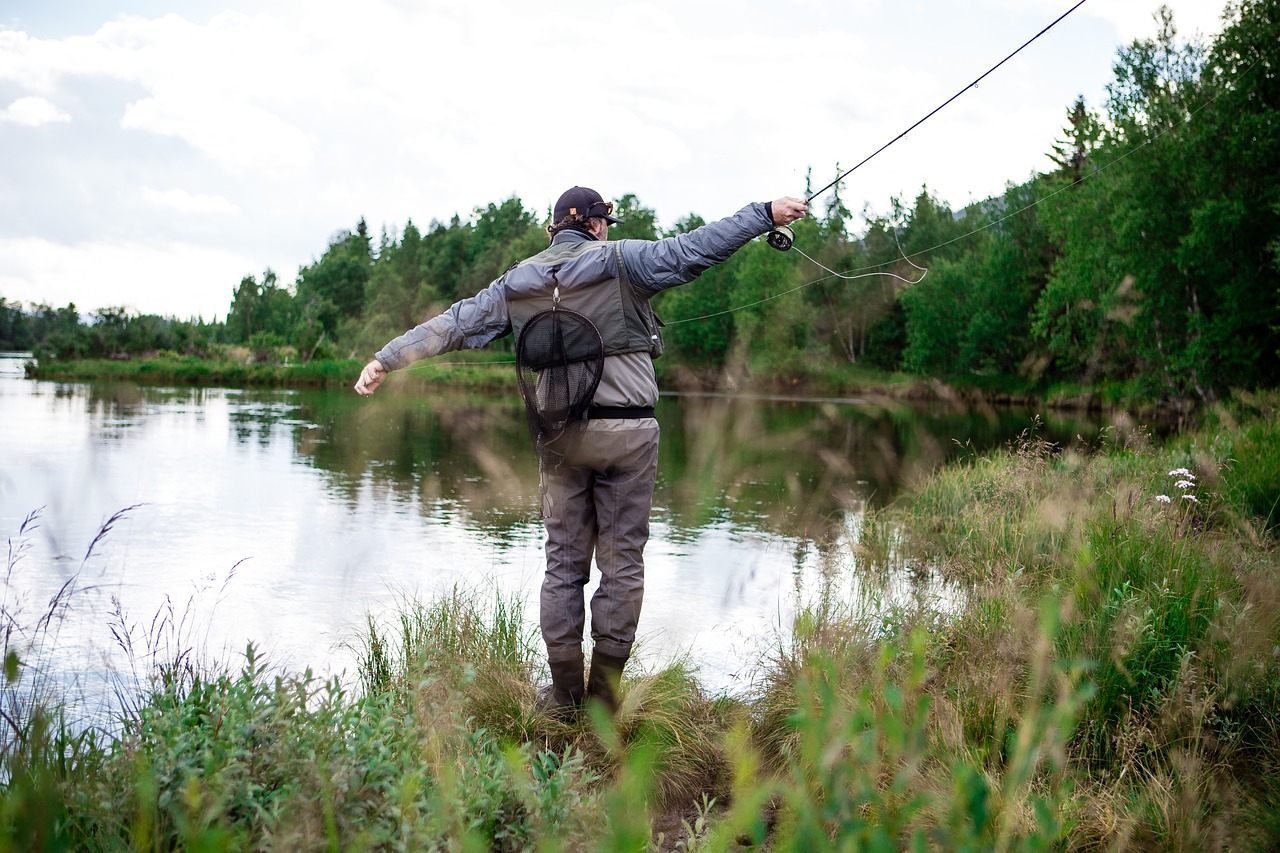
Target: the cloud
(238, 137)
(184, 202)
(220, 87)
(33, 111)
(172, 279)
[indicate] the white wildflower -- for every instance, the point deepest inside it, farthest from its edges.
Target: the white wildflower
(1185, 484)
(1164, 499)
(1182, 472)
(1191, 498)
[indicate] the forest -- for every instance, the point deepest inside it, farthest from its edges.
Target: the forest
(1146, 263)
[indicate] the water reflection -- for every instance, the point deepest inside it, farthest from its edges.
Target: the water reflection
(789, 468)
(340, 505)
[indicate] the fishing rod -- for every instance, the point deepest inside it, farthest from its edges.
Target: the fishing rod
(782, 237)
(874, 270)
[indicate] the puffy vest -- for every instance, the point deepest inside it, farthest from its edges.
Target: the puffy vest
(626, 322)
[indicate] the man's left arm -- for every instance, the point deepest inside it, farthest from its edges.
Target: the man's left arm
(467, 324)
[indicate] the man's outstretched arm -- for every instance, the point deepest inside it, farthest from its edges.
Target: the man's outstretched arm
(467, 324)
(655, 265)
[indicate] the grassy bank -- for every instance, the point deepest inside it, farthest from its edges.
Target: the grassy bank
(1109, 680)
(472, 371)
(495, 371)
(492, 370)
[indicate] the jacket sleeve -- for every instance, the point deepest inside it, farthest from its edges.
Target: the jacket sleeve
(468, 324)
(655, 265)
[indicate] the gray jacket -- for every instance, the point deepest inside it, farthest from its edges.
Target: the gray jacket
(651, 265)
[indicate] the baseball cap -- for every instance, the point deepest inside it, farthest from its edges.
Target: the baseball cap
(580, 200)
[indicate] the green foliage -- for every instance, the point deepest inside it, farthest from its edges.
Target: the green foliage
(333, 288)
(1165, 573)
(16, 334)
(113, 332)
(1165, 270)
(638, 222)
(260, 309)
(699, 326)
(450, 649)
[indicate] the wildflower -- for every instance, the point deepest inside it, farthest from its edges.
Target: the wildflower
(1182, 472)
(1185, 484)
(1191, 498)
(1164, 499)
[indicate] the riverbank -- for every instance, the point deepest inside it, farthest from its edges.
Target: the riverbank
(471, 371)
(494, 371)
(1108, 679)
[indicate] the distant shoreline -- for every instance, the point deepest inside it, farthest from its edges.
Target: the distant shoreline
(493, 371)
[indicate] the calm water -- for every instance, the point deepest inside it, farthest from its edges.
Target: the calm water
(286, 518)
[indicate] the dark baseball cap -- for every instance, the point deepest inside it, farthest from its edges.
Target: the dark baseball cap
(587, 202)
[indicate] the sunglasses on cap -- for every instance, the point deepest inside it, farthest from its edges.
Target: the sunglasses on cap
(592, 210)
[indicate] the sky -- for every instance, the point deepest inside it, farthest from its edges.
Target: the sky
(155, 153)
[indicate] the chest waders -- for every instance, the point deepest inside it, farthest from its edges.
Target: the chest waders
(597, 485)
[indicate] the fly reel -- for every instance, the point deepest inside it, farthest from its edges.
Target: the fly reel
(781, 238)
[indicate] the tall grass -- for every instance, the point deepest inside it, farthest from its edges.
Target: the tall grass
(1168, 581)
(29, 632)
(1106, 678)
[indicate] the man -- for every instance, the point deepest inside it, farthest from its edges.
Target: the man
(597, 493)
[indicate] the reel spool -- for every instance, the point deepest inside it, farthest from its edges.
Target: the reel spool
(781, 238)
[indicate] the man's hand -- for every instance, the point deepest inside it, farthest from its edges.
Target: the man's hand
(787, 210)
(370, 378)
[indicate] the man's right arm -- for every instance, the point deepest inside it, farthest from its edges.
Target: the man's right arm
(655, 265)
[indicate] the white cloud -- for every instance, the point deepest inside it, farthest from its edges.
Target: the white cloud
(33, 111)
(174, 279)
(184, 202)
(218, 87)
(238, 137)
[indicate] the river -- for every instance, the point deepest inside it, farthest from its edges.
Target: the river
(286, 518)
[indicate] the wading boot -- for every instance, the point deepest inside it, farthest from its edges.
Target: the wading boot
(605, 678)
(564, 695)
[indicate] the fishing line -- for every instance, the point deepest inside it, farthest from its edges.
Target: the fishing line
(783, 238)
(939, 108)
(1096, 171)
(855, 273)
(874, 270)
(847, 276)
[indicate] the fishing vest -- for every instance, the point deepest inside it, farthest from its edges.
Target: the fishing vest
(625, 321)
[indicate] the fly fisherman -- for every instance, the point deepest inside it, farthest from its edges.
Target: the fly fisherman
(597, 477)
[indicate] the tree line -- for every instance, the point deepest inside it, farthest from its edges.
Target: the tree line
(1149, 258)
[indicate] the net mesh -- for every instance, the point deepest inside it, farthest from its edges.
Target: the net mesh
(559, 358)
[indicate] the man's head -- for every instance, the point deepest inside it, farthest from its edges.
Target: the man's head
(584, 210)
